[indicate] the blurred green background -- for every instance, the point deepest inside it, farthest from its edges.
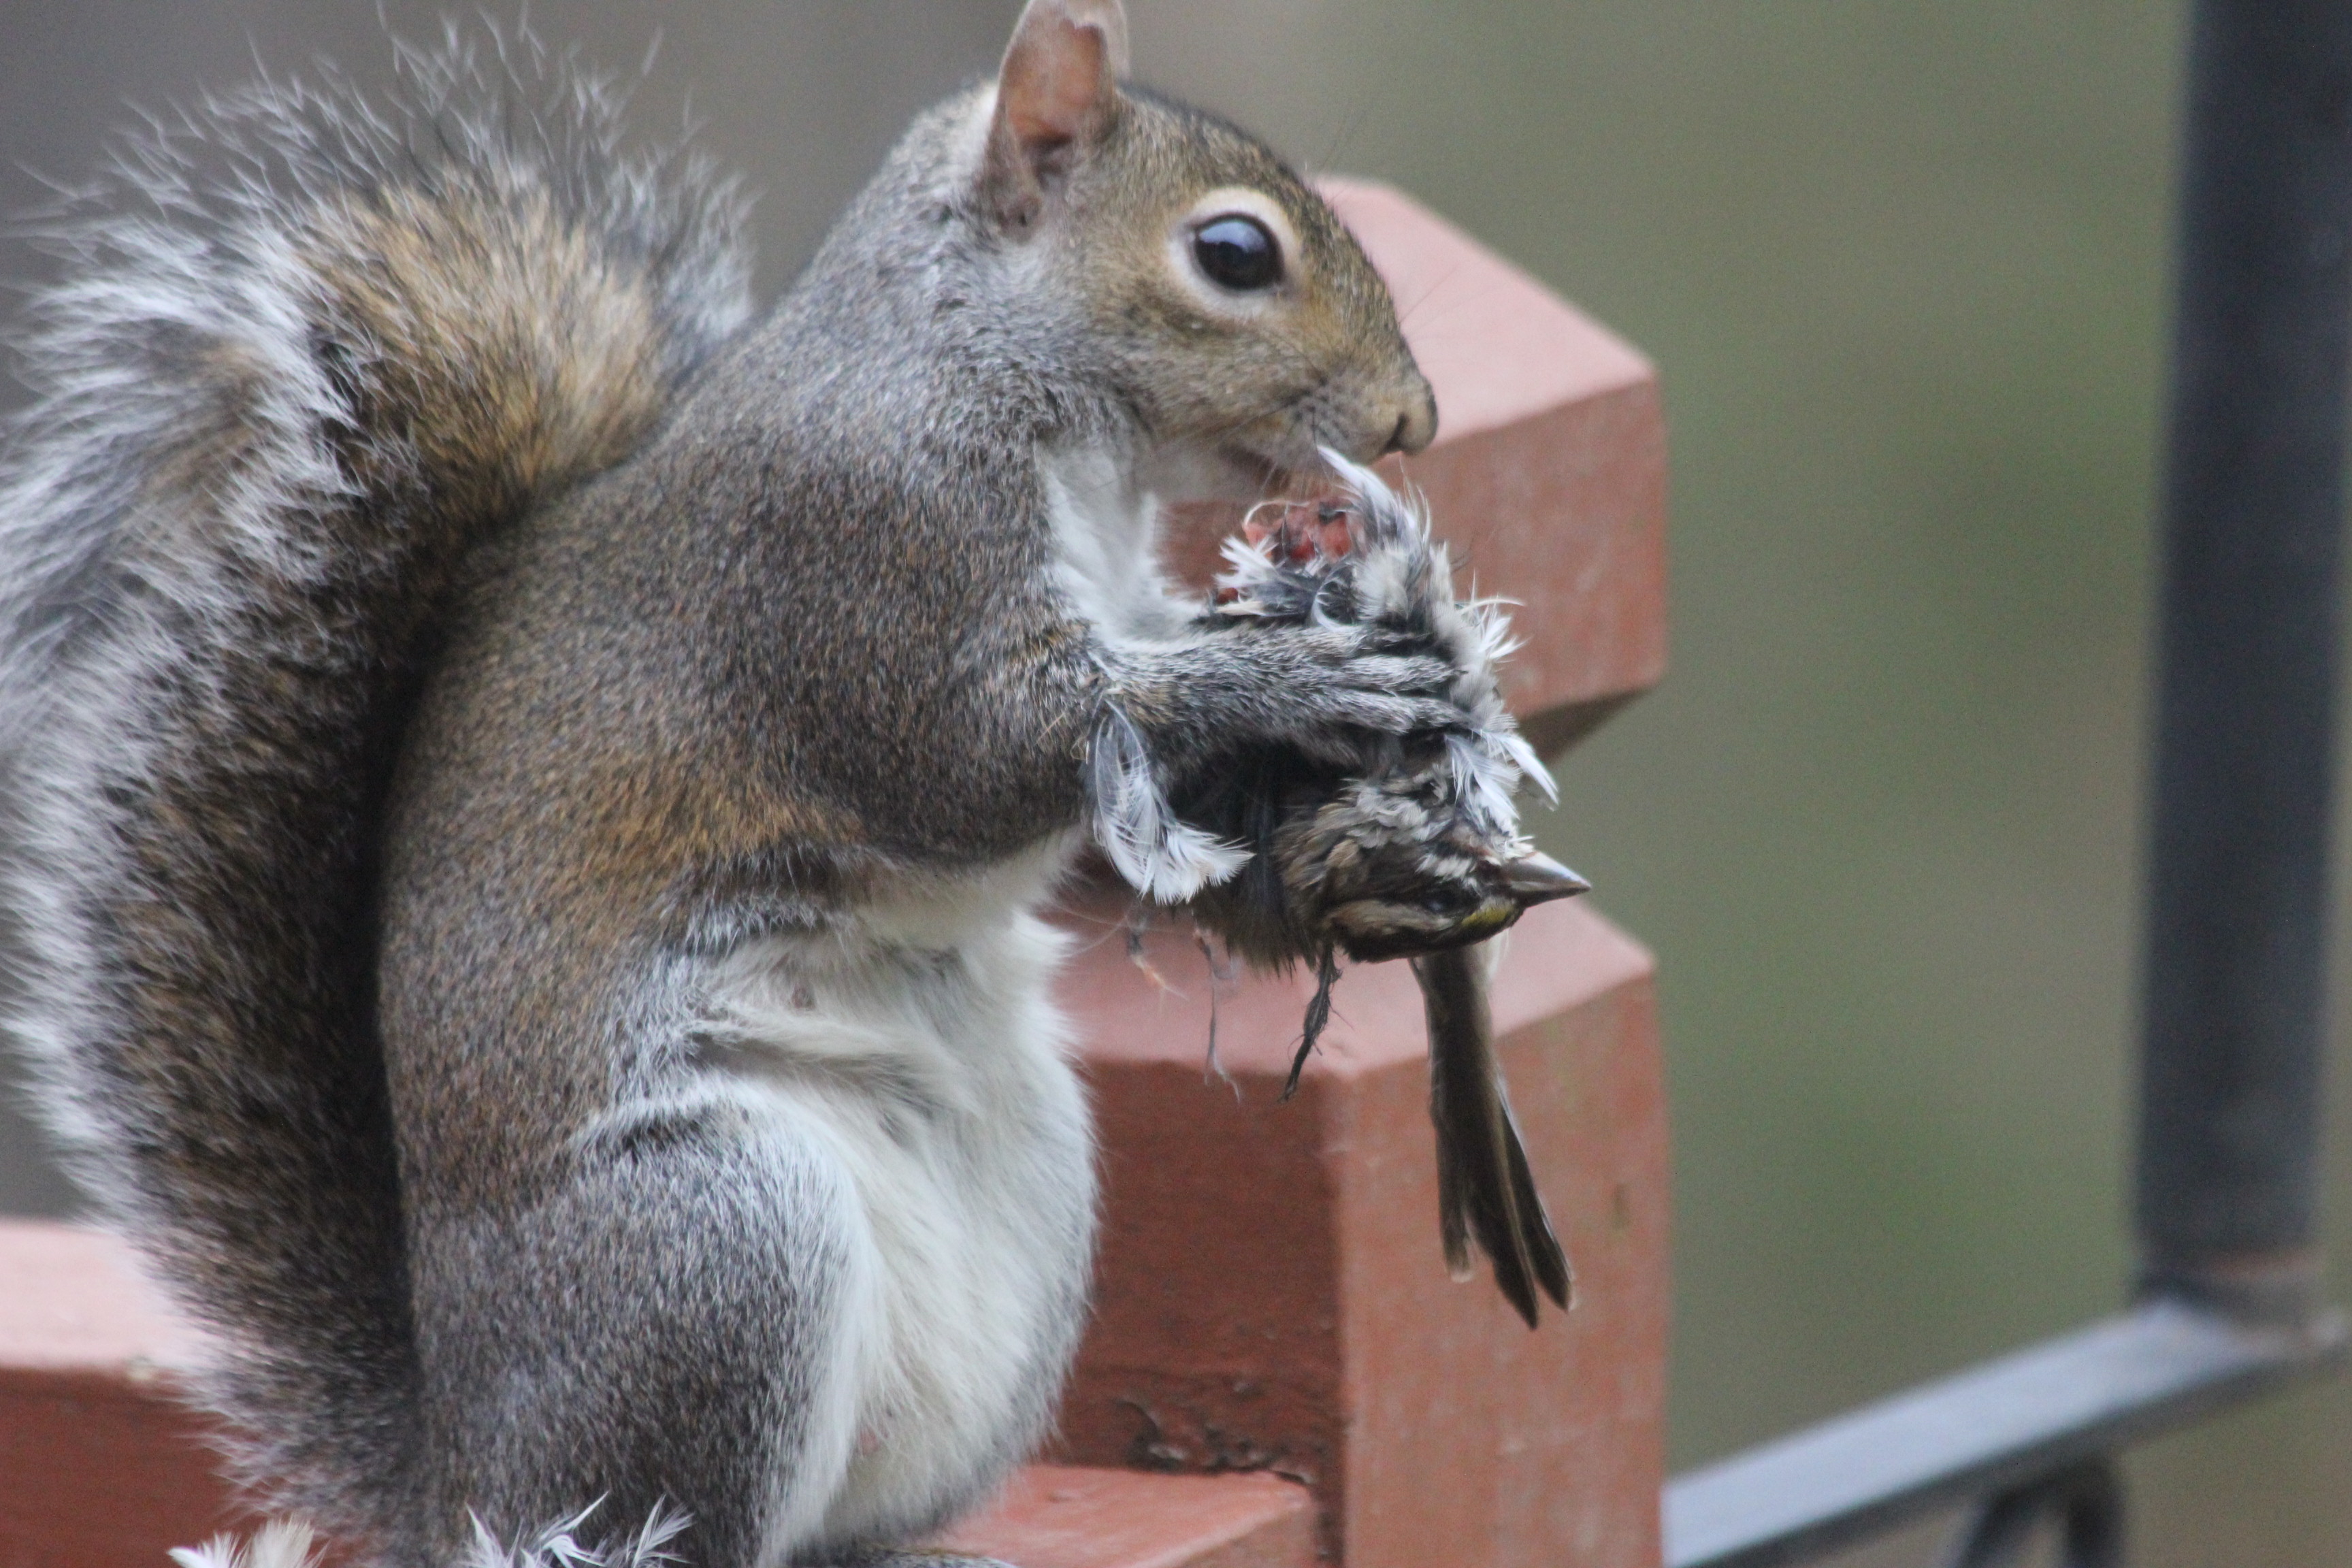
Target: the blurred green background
(1904, 268)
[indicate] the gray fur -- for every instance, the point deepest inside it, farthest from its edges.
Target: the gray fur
(225, 547)
(530, 806)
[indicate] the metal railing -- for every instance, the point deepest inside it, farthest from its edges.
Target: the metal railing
(2229, 1304)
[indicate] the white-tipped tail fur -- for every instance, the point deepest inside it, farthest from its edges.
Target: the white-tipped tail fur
(292, 1543)
(307, 349)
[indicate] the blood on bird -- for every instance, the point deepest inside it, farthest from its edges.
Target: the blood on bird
(1303, 532)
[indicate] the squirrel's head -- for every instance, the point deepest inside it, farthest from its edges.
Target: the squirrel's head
(1232, 313)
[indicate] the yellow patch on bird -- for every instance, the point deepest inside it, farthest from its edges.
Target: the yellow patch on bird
(1488, 917)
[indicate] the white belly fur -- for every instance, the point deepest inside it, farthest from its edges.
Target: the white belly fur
(920, 1055)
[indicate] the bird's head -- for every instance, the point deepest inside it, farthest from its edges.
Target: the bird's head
(1396, 867)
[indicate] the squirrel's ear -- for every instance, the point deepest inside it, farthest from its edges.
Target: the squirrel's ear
(1056, 91)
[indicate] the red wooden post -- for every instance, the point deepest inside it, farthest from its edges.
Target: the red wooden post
(1272, 1296)
(1279, 1368)
(100, 1467)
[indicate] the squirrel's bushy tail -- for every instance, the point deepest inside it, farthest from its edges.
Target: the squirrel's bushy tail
(307, 349)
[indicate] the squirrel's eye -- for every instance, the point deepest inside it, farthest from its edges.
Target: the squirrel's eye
(1236, 252)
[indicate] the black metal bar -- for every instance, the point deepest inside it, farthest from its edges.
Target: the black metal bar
(2085, 1503)
(2090, 1505)
(2253, 516)
(2229, 1165)
(2008, 1423)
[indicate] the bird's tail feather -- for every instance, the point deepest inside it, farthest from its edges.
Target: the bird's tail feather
(1485, 1190)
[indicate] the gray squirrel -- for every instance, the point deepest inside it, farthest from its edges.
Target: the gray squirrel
(529, 793)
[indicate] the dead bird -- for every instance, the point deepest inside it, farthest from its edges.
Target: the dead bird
(1412, 849)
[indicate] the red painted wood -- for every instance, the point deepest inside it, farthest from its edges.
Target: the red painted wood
(100, 1467)
(1056, 1516)
(1274, 1330)
(1271, 1295)
(1271, 1292)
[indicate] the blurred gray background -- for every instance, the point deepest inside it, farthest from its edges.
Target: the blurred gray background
(1904, 268)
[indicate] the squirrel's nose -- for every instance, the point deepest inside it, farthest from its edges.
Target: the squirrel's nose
(1416, 424)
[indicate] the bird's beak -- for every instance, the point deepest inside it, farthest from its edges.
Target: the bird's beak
(1537, 878)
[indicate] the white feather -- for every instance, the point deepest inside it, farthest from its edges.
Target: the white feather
(1106, 539)
(280, 1544)
(1163, 859)
(1402, 563)
(558, 1544)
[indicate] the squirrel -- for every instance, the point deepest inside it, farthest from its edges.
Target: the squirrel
(530, 792)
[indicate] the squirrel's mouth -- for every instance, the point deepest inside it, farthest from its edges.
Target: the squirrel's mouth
(1291, 459)
(1288, 478)
(1230, 471)
(1286, 469)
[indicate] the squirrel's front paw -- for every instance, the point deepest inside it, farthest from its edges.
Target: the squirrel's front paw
(1324, 690)
(1331, 683)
